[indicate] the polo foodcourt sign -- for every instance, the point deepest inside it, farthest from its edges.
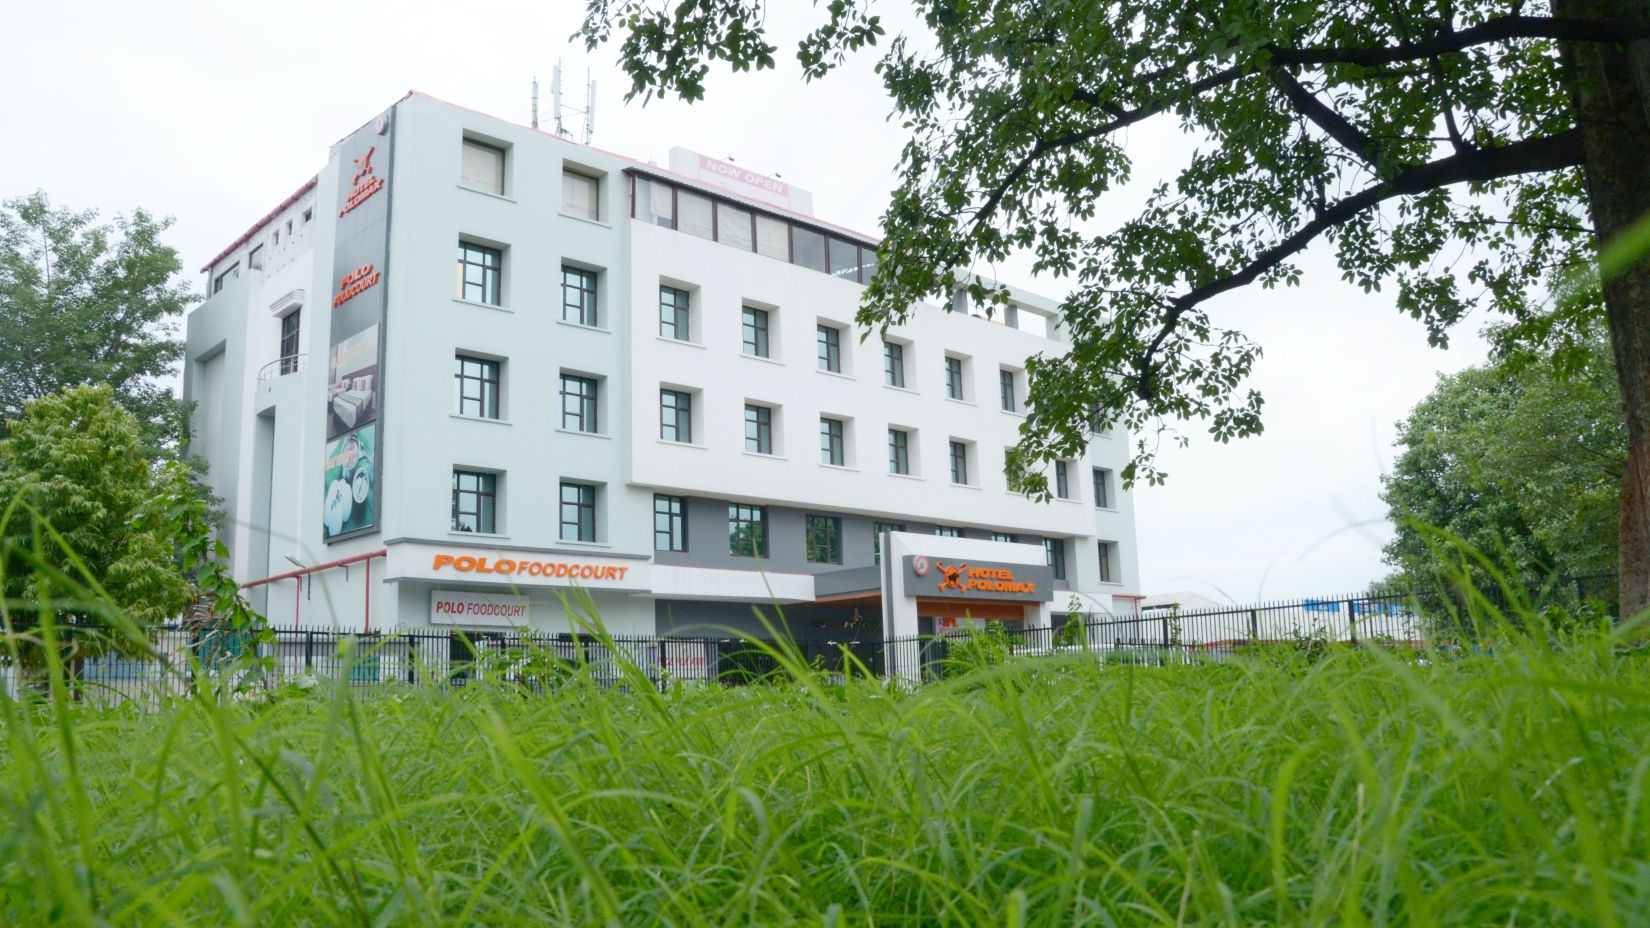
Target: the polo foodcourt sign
(957, 579)
(527, 567)
(449, 607)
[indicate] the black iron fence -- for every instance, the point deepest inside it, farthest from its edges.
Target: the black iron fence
(106, 669)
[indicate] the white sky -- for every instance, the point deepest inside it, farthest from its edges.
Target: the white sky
(213, 112)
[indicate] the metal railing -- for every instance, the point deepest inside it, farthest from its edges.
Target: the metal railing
(280, 367)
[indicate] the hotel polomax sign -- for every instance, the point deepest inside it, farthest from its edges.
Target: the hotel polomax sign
(952, 578)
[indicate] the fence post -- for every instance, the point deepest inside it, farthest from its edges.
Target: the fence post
(1352, 620)
(1254, 624)
(309, 650)
(1165, 622)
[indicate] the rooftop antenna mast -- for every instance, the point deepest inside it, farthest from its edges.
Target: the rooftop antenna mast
(535, 101)
(557, 108)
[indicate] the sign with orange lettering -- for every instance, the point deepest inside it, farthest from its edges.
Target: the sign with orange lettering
(945, 577)
(513, 570)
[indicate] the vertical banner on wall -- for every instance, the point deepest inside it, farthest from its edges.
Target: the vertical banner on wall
(355, 363)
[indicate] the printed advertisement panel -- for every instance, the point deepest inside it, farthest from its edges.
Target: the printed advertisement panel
(449, 607)
(355, 368)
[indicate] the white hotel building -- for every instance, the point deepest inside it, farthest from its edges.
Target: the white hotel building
(500, 375)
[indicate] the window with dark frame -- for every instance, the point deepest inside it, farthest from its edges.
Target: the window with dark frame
(289, 341)
(232, 272)
(832, 448)
(748, 531)
(581, 195)
(578, 296)
(1105, 562)
(830, 348)
(482, 167)
(899, 451)
(754, 325)
(475, 387)
(475, 496)
(959, 462)
(255, 258)
(758, 428)
(945, 531)
(676, 415)
(1007, 379)
(1004, 537)
(479, 270)
(824, 539)
(893, 364)
(877, 528)
(578, 511)
(954, 378)
(1102, 488)
(1062, 484)
(1055, 550)
(669, 523)
(674, 313)
(578, 403)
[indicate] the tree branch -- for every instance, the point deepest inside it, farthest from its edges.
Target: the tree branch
(1326, 118)
(1549, 153)
(1499, 29)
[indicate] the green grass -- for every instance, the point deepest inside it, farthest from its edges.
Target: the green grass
(1363, 788)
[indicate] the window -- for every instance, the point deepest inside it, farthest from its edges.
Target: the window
(748, 531)
(1102, 488)
(755, 324)
(773, 237)
(844, 259)
(824, 539)
(1004, 537)
(669, 523)
(1062, 485)
(675, 415)
(233, 272)
(482, 167)
(255, 257)
(578, 512)
(833, 449)
(578, 403)
(807, 248)
(1006, 377)
(953, 378)
(693, 214)
(758, 428)
(1107, 568)
(947, 532)
(581, 195)
(959, 462)
(673, 313)
(654, 203)
(578, 296)
(830, 348)
(475, 387)
(478, 273)
(899, 451)
(877, 528)
(289, 341)
(893, 364)
(733, 226)
(1055, 550)
(474, 502)
(309, 214)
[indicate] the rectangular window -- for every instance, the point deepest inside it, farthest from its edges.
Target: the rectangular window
(755, 326)
(807, 248)
(475, 387)
(947, 532)
(669, 523)
(773, 237)
(474, 497)
(1062, 484)
(893, 364)
(578, 403)
(581, 195)
(654, 203)
(830, 348)
(1007, 379)
(1102, 488)
(693, 215)
(748, 531)
(844, 257)
(733, 226)
(578, 296)
(758, 429)
(676, 415)
(673, 313)
(578, 512)
(289, 341)
(482, 168)
(1107, 568)
(1055, 550)
(954, 378)
(478, 273)
(233, 272)
(899, 451)
(255, 258)
(877, 528)
(1004, 537)
(824, 539)
(959, 462)
(832, 449)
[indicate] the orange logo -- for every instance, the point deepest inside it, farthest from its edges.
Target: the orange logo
(951, 577)
(363, 166)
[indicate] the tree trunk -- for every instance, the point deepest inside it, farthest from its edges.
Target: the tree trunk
(1610, 88)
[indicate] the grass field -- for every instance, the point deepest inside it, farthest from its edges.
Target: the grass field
(1360, 788)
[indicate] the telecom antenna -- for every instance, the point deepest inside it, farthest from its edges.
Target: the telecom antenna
(557, 109)
(535, 101)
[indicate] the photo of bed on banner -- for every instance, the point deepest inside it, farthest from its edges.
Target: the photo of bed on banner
(355, 371)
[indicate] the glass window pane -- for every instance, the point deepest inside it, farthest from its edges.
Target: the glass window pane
(773, 237)
(580, 195)
(482, 167)
(844, 259)
(809, 248)
(654, 203)
(694, 214)
(733, 226)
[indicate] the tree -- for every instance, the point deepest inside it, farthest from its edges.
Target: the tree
(1522, 459)
(83, 302)
(77, 459)
(1406, 133)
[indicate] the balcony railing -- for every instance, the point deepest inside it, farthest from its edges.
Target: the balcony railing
(280, 367)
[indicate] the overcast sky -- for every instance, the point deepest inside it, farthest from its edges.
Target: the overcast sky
(214, 112)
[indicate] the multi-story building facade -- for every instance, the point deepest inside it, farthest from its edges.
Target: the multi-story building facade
(509, 379)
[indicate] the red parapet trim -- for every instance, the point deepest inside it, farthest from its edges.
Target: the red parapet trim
(247, 235)
(295, 574)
